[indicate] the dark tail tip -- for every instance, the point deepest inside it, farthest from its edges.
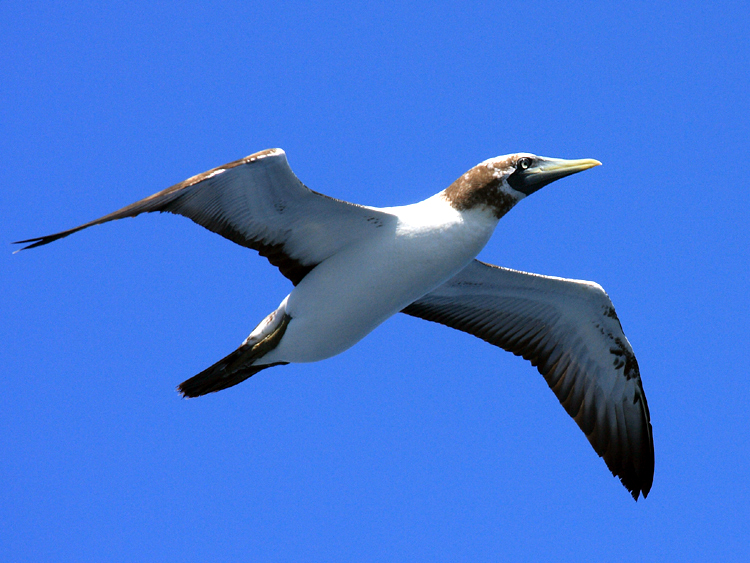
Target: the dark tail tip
(217, 377)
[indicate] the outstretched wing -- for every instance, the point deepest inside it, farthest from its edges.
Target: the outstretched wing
(568, 329)
(259, 203)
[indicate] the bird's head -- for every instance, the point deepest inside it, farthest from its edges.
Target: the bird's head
(501, 182)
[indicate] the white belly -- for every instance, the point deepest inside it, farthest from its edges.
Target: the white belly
(347, 296)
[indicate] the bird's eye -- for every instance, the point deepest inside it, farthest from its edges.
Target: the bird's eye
(523, 163)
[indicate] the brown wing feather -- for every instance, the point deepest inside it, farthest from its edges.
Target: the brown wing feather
(259, 203)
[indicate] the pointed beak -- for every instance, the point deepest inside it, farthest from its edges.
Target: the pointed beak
(546, 170)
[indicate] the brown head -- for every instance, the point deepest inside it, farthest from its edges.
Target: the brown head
(501, 182)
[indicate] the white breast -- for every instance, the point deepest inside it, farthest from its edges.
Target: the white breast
(347, 296)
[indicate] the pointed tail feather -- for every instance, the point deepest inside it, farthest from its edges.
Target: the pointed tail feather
(221, 375)
(237, 366)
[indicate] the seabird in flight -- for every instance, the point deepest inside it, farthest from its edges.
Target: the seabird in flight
(353, 266)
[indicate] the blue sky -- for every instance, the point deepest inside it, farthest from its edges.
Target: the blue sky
(419, 443)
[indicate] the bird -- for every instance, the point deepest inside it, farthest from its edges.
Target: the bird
(354, 266)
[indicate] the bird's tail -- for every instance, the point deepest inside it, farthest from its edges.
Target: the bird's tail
(237, 366)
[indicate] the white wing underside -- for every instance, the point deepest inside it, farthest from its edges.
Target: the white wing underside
(259, 203)
(569, 330)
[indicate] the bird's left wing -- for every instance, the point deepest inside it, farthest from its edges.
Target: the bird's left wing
(568, 329)
(259, 203)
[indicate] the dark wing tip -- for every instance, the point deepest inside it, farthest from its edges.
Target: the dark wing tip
(39, 241)
(631, 460)
(635, 475)
(635, 483)
(621, 434)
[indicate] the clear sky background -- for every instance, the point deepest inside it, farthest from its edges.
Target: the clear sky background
(420, 443)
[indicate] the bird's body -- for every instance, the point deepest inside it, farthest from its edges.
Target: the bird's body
(348, 295)
(353, 267)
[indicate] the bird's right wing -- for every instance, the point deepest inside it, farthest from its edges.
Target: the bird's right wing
(569, 330)
(259, 203)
